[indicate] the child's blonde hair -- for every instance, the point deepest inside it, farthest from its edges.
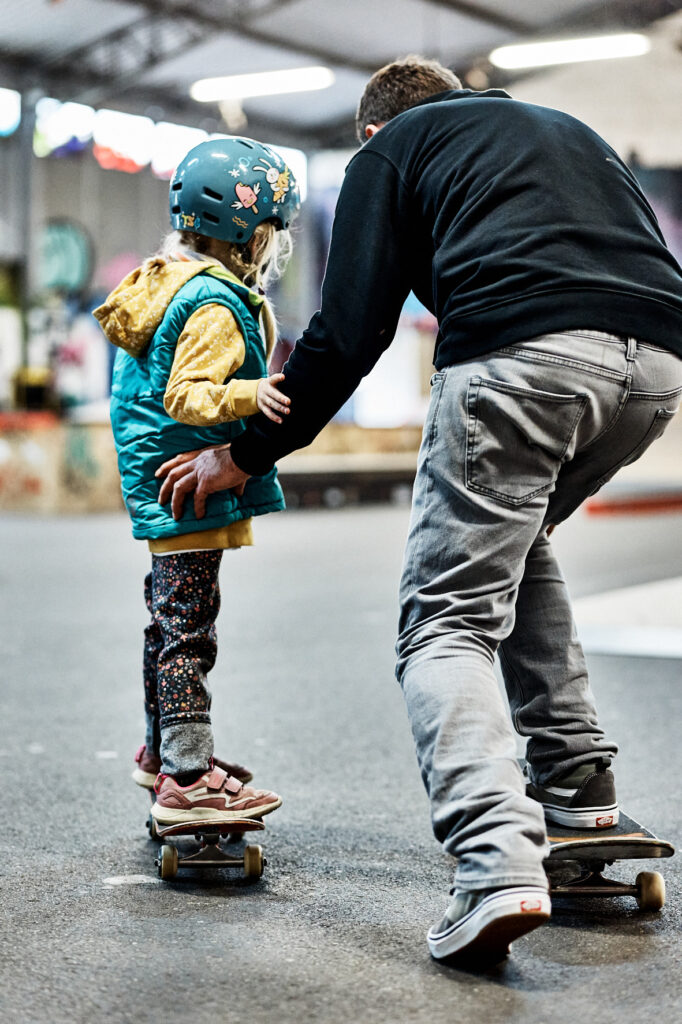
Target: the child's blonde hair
(257, 263)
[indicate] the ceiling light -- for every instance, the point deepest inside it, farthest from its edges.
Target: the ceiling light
(262, 83)
(570, 51)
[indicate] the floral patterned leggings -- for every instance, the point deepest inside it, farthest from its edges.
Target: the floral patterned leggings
(180, 645)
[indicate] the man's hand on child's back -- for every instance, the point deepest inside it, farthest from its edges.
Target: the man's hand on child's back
(202, 472)
(270, 400)
(207, 470)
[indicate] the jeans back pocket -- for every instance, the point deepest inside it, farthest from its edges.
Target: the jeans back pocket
(517, 438)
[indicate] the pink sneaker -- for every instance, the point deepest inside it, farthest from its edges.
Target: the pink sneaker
(215, 796)
(149, 766)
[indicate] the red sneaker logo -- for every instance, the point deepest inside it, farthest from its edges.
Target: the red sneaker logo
(530, 906)
(605, 821)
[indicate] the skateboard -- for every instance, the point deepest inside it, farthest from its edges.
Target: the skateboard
(209, 853)
(207, 850)
(584, 855)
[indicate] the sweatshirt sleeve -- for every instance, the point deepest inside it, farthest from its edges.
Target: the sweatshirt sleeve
(365, 287)
(209, 351)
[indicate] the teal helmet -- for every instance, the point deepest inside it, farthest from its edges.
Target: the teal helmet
(225, 188)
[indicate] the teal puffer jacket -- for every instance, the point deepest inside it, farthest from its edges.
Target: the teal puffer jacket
(146, 436)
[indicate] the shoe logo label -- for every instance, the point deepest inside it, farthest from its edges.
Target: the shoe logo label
(530, 906)
(605, 821)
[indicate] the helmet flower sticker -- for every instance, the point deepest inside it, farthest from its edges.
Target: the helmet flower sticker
(277, 180)
(247, 197)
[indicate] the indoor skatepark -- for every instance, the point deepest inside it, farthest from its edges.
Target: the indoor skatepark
(303, 690)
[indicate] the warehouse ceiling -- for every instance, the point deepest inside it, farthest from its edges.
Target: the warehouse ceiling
(143, 55)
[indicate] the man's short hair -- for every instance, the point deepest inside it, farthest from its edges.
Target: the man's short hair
(398, 86)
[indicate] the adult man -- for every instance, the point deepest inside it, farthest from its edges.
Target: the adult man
(558, 361)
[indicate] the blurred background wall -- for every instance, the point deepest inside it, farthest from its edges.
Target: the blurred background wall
(95, 112)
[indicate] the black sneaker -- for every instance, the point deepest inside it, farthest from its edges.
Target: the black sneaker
(585, 798)
(480, 925)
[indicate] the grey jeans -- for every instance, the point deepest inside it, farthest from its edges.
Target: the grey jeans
(513, 442)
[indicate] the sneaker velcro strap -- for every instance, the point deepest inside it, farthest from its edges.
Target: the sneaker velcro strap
(233, 785)
(216, 778)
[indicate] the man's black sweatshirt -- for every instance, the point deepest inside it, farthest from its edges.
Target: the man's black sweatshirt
(508, 220)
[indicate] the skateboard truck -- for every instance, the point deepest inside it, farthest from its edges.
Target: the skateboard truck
(648, 890)
(588, 855)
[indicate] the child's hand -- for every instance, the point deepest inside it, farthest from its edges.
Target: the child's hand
(270, 400)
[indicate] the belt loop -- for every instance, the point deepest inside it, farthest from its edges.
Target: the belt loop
(631, 354)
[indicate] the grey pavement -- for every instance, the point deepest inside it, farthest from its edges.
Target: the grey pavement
(304, 693)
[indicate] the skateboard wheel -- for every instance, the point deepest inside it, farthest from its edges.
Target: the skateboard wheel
(253, 861)
(151, 827)
(650, 890)
(168, 862)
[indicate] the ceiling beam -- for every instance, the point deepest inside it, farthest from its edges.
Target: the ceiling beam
(226, 22)
(611, 15)
(111, 66)
(485, 15)
(106, 67)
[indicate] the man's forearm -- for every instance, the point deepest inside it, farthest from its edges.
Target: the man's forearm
(366, 283)
(264, 442)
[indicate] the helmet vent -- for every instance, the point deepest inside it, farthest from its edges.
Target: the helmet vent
(175, 209)
(212, 195)
(176, 186)
(210, 218)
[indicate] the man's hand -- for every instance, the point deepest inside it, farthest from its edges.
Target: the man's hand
(203, 471)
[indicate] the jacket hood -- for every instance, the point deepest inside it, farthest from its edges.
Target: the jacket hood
(131, 314)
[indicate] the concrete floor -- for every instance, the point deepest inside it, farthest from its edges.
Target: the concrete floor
(304, 693)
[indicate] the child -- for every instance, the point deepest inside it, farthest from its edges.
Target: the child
(192, 363)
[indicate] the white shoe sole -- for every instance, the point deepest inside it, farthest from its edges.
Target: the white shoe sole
(176, 815)
(584, 817)
(488, 930)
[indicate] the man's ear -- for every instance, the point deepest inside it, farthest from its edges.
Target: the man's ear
(372, 129)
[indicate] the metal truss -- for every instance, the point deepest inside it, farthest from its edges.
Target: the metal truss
(242, 17)
(113, 63)
(485, 14)
(111, 66)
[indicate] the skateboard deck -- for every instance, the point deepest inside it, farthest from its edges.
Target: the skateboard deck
(207, 850)
(628, 840)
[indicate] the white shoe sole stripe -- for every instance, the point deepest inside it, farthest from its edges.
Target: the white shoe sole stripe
(591, 810)
(506, 903)
(583, 817)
